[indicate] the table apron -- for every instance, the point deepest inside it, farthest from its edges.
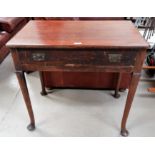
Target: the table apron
(74, 60)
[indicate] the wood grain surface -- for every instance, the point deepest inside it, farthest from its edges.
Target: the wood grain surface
(78, 34)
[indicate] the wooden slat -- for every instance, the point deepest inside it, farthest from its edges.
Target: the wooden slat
(148, 67)
(152, 90)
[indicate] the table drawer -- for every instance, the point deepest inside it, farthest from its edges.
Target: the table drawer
(70, 57)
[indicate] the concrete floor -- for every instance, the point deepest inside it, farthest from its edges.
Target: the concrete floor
(71, 112)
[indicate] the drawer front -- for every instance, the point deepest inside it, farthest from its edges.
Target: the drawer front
(77, 57)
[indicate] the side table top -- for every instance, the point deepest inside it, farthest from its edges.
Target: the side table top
(78, 34)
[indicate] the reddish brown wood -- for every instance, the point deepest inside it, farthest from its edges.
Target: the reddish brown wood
(23, 86)
(78, 34)
(106, 47)
(117, 95)
(92, 80)
(132, 90)
(130, 97)
(43, 92)
(83, 80)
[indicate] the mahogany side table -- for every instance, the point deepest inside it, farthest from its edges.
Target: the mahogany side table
(85, 46)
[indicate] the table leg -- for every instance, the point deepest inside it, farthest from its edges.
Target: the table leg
(43, 92)
(24, 89)
(117, 95)
(132, 89)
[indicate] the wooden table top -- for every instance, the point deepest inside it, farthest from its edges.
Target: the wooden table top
(78, 34)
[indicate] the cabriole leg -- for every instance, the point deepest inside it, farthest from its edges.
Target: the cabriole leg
(131, 93)
(24, 89)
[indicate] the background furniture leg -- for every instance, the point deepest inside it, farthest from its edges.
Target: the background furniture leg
(24, 89)
(131, 93)
(117, 95)
(43, 92)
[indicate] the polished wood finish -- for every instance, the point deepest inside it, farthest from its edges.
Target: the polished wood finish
(91, 80)
(23, 86)
(80, 46)
(132, 90)
(78, 34)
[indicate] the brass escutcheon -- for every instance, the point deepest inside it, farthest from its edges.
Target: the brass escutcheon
(114, 58)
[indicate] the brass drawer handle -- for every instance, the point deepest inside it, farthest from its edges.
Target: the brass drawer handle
(38, 56)
(115, 58)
